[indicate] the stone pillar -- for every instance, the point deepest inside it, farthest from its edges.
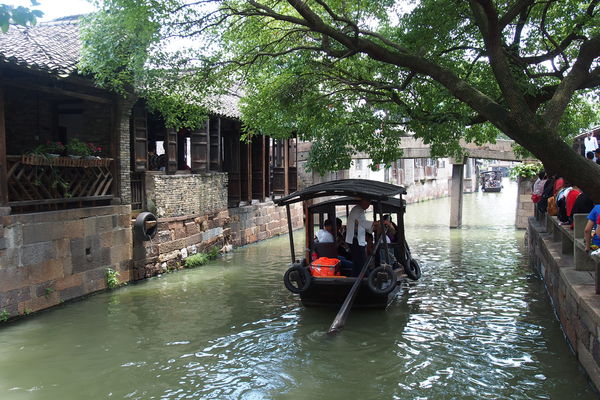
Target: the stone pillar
(456, 193)
(525, 207)
(122, 139)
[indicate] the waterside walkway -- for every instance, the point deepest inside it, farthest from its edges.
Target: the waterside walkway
(572, 280)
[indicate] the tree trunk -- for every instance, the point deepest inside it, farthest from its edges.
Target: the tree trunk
(560, 159)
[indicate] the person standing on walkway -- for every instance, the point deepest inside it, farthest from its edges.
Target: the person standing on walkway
(590, 142)
(538, 187)
(356, 228)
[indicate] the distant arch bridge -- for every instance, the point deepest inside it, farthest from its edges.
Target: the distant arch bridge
(502, 150)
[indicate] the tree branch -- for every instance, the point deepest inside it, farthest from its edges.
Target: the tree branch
(576, 77)
(486, 18)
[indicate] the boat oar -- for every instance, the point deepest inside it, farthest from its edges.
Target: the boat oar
(342, 315)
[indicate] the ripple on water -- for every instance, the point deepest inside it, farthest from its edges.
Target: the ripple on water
(477, 325)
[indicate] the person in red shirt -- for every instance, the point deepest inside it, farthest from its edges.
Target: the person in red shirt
(571, 197)
(558, 184)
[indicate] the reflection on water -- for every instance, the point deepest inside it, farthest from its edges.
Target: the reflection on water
(477, 325)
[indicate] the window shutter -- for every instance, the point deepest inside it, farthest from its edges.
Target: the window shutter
(199, 149)
(171, 151)
(214, 131)
(140, 138)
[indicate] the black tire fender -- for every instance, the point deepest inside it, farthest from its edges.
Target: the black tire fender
(139, 226)
(412, 269)
(384, 274)
(299, 275)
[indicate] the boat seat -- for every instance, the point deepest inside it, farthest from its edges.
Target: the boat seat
(325, 249)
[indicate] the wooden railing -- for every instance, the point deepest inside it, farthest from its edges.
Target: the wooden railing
(40, 182)
(138, 192)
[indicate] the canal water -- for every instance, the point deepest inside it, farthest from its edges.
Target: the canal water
(477, 325)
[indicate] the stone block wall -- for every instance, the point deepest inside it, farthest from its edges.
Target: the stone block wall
(427, 190)
(51, 257)
(186, 194)
(573, 296)
(525, 207)
(261, 221)
(176, 239)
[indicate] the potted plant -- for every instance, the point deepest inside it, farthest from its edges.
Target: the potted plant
(53, 149)
(77, 149)
(94, 151)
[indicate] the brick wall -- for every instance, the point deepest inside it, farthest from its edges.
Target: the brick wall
(123, 139)
(47, 258)
(188, 194)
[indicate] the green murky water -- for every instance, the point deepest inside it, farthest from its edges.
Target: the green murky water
(477, 325)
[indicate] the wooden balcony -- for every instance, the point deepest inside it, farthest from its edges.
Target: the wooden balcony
(37, 183)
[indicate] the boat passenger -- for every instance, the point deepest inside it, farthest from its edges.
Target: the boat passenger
(343, 247)
(391, 259)
(356, 228)
(325, 234)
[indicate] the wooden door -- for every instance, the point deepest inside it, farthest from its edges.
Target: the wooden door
(292, 171)
(199, 141)
(258, 168)
(231, 165)
(277, 168)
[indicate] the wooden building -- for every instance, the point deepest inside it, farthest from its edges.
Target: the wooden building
(65, 219)
(256, 170)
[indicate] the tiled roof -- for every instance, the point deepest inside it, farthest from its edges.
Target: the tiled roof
(48, 46)
(55, 47)
(226, 105)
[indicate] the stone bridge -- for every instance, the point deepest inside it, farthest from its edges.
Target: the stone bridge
(415, 148)
(501, 150)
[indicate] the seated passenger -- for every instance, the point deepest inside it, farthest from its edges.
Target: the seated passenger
(325, 234)
(343, 247)
(391, 259)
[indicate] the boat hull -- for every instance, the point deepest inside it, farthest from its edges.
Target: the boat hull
(492, 190)
(331, 292)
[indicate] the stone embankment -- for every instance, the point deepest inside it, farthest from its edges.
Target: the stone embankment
(572, 281)
(51, 257)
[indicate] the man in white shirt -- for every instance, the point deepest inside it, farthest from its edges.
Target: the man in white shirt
(356, 228)
(590, 143)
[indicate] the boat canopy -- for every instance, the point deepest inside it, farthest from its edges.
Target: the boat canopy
(389, 206)
(363, 188)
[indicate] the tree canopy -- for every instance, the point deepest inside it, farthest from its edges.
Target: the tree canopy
(357, 76)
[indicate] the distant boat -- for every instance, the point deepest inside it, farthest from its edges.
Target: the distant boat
(491, 181)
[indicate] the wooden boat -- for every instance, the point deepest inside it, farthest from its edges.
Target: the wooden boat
(491, 181)
(383, 277)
